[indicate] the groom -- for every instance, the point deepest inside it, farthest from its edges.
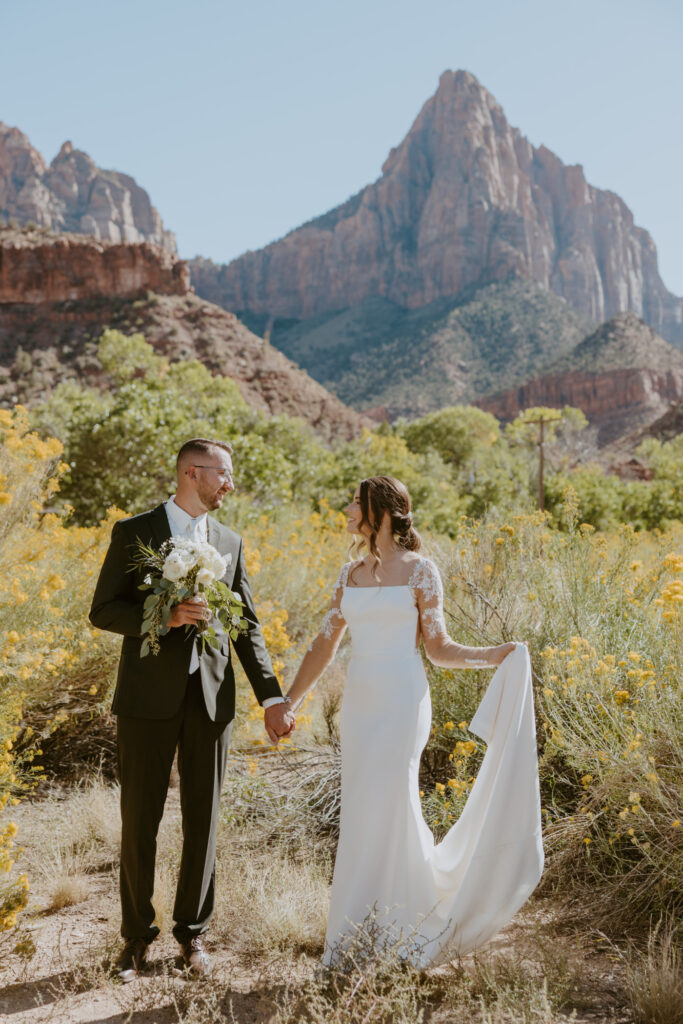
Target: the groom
(182, 698)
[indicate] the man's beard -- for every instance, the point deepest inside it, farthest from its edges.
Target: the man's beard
(210, 499)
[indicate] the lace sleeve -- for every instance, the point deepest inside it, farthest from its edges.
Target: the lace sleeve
(425, 582)
(427, 589)
(334, 621)
(324, 646)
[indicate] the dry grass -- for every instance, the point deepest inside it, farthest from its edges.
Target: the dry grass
(73, 834)
(67, 891)
(655, 980)
(270, 903)
(266, 937)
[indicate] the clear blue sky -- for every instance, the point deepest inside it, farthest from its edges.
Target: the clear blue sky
(245, 119)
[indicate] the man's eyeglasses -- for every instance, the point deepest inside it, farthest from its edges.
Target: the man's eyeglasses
(223, 474)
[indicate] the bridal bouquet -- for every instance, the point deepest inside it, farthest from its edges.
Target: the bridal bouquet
(180, 570)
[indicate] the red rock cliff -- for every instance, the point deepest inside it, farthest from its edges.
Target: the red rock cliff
(35, 269)
(623, 377)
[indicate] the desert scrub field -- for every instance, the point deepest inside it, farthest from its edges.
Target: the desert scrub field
(601, 614)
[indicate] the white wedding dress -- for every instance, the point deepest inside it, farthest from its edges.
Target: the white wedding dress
(434, 901)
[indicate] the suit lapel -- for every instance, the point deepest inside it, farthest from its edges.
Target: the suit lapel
(213, 533)
(221, 540)
(159, 525)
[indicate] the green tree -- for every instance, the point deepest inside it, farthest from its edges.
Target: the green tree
(120, 444)
(482, 468)
(537, 428)
(665, 458)
(383, 453)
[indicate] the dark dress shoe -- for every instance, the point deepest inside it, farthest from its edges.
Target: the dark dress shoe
(195, 957)
(131, 959)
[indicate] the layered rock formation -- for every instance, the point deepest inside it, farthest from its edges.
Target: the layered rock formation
(623, 377)
(55, 305)
(74, 194)
(463, 201)
(35, 268)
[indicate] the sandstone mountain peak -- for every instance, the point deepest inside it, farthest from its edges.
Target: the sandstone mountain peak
(465, 200)
(73, 194)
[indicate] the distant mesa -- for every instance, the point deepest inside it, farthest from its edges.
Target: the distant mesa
(626, 380)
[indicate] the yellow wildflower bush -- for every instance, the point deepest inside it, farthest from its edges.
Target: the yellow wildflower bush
(52, 665)
(293, 561)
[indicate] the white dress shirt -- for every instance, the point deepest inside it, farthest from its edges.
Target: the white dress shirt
(196, 528)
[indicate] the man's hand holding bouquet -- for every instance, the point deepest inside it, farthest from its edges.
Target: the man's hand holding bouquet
(184, 578)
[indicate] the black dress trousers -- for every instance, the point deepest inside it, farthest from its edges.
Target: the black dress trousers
(146, 748)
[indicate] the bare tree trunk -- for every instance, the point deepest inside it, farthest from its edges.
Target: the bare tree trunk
(541, 489)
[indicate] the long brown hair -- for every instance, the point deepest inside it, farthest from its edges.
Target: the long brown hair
(380, 494)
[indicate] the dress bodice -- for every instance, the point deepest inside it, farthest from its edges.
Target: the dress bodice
(381, 620)
(385, 619)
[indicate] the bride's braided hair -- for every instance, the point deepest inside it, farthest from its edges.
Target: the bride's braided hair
(380, 494)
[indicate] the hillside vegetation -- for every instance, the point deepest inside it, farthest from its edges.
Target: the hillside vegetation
(413, 361)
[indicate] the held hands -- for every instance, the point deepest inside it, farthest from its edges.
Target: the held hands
(279, 722)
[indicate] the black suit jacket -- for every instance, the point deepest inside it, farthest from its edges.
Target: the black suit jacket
(154, 686)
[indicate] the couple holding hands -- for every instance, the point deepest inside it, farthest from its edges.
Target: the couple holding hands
(435, 900)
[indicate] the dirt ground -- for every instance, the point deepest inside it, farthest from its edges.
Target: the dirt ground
(68, 981)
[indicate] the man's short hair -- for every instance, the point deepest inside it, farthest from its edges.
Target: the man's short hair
(200, 446)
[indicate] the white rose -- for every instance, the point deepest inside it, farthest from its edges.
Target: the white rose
(190, 556)
(219, 566)
(175, 567)
(204, 578)
(211, 559)
(205, 555)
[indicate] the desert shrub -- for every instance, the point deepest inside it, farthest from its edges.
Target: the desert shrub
(53, 666)
(293, 560)
(25, 466)
(655, 979)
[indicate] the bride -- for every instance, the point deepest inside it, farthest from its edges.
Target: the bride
(432, 901)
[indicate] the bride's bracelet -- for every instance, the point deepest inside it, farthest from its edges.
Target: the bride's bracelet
(477, 662)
